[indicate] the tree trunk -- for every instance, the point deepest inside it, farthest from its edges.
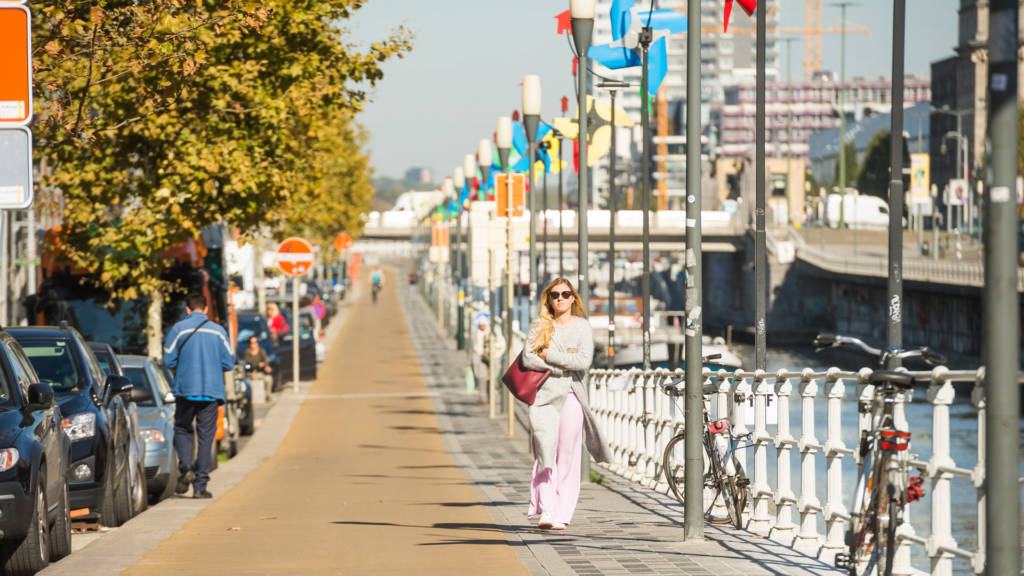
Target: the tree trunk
(154, 325)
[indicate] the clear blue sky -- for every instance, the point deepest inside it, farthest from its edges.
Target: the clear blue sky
(433, 106)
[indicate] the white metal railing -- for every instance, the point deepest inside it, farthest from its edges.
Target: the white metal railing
(638, 420)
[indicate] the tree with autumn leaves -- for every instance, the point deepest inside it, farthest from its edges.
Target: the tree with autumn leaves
(161, 117)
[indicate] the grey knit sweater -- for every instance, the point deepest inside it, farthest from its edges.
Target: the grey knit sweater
(568, 357)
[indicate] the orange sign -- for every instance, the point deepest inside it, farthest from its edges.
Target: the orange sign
(15, 64)
(518, 194)
(342, 242)
(439, 237)
(295, 257)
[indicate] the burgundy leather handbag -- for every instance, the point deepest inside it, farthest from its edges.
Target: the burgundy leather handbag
(523, 382)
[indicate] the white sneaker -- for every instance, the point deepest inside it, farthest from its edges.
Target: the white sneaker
(546, 523)
(557, 526)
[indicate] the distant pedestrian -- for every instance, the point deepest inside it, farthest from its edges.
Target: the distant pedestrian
(276, 322)
(560, 340)
(199, 352)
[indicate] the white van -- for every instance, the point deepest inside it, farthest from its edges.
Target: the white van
(859, 211)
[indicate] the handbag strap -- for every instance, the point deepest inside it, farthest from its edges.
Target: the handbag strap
(191, 334)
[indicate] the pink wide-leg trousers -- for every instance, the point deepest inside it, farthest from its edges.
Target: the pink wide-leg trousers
(555, 491)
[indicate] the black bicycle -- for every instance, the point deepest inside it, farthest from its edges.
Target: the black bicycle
(723, 471)
(884, 486)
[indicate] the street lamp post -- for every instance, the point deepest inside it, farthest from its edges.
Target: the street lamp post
(582, 13)
(612, 86)
(531, 120)
(842, 112)
(469, 169)
(504, 141)
(694, 322)
(459, 179)
(646, 37)
(561, 200)
(1001, 304)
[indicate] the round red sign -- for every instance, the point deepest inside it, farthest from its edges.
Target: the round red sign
(295, 256)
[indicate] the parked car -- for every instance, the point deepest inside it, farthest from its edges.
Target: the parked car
(35, 512)
(95, 419)
(156, 419)
(137, 451)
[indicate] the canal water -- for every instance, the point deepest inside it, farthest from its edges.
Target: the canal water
(963, 448)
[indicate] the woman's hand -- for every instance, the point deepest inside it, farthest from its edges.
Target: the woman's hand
(543, 353)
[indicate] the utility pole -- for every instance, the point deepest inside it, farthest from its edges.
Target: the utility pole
(1001, 305)
(613, 201)
(646, 36)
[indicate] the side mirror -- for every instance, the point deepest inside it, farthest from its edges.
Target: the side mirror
(40, 396)
(118, 385)
(141, 394)
(169, 398)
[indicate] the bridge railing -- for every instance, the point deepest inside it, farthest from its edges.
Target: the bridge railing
(638, 420)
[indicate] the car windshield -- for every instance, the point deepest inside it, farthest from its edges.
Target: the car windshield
(137, 374)
(53, 362)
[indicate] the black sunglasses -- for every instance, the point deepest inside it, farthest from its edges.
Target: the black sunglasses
(565, 295)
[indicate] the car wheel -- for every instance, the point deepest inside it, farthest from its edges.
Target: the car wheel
(172, 480)
(123, 496)
(108, 516)
(60, 536)
(32, 554)
(140, 497)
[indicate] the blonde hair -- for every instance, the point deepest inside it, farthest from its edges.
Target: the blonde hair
(547, 313)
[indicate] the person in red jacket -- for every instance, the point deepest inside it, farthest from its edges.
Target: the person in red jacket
(276, 321)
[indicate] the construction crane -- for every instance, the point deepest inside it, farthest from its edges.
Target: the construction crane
(811, 31)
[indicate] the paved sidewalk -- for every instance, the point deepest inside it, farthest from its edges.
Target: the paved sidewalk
(619, 527)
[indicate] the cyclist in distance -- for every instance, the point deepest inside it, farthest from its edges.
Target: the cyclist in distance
(562, 341)
(378, 282)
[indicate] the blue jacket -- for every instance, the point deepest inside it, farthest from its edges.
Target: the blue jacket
(199, 366)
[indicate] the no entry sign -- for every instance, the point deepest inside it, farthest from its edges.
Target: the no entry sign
(15, 64)
(295, 257)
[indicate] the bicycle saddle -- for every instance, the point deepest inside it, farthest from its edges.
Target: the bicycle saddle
(898, 379)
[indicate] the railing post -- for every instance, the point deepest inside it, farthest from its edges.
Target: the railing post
(901, 562)
(784, 530)
(979, 400)
(834, 507)
(760, 521)
(940, 395)
(739, 417)
(808, 504)
(650, 426)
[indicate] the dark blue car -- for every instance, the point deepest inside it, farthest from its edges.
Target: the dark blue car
(35, 522)
(95, 419)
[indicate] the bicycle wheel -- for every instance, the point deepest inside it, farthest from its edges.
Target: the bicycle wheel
(892, 521)
(673, 465)
(868, 548)
(739, 487)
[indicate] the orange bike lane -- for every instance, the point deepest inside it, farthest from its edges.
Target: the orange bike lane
(361, 483)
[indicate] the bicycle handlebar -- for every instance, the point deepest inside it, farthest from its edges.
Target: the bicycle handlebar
(825, 340)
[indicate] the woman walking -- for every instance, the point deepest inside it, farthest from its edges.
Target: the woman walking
(560, 340)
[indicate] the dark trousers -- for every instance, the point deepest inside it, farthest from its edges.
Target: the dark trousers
(201, 418)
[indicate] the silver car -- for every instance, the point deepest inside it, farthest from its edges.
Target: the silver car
(156, 423)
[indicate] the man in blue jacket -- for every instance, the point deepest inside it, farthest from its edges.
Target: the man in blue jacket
(199, 352)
